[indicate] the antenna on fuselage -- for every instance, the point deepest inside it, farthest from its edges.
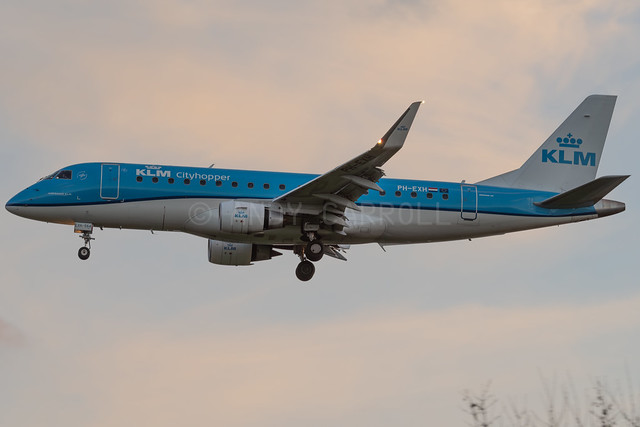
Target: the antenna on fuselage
(211, 165)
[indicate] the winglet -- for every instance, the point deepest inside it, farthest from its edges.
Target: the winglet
(343, 185)
(395, 136)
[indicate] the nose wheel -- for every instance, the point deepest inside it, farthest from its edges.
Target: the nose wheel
(85, 229)
(84, 252)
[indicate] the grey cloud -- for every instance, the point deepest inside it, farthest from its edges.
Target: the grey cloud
(10, 335)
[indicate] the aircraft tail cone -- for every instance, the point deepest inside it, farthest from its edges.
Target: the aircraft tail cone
(608, 207)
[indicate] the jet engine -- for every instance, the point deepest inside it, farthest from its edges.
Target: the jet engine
(237, 216)
(228, 253)
(233, 216)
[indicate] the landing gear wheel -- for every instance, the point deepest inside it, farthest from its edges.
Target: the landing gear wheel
(305, 270)
(314, 251)
(83, 253)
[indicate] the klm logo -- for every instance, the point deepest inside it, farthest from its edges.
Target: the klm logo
(241, 214)
(569, 157)
(153, 171)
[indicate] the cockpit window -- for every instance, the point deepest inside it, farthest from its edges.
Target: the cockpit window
(48, 176)
(63, 174)
(66, 174)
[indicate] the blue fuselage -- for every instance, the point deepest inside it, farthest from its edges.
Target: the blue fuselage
(166, 197)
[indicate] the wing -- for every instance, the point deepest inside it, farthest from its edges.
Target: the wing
(338, 189)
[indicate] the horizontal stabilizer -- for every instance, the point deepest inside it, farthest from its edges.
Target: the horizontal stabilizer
(585, 195)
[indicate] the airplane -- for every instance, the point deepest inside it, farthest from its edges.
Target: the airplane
(250, 216)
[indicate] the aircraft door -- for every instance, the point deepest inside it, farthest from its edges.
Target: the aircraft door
(469, 204)
(110, 181)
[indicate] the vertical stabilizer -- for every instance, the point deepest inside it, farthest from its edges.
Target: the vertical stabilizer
(570, 156)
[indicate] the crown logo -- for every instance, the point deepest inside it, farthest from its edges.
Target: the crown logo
(569, 141)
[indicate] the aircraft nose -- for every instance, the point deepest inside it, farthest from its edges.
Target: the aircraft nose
(19, 200)
(12, 204)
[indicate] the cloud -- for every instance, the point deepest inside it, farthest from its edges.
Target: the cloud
(362, 369)
(178, 82)
(10, 335)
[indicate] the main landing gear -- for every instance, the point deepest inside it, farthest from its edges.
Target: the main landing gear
(312, 252)
(305, 270)
(85, 229)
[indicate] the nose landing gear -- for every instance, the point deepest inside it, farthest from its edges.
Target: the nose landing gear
(86, 230)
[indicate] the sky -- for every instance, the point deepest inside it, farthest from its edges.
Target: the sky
(147, 332)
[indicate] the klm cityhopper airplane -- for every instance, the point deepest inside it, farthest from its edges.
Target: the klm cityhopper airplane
(248, 215)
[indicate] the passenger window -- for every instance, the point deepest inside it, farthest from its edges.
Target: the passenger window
(171, 180)
(281, 186)
(203, 182)
(414, 194)
(234, 184)
(429, 195)
(398, 194)
(154, 179)
(63, 175)
(382, 193)
(139, 178)
(218, 183)
(445, 196)
(266, 186)
(250, 185)
(187, 181)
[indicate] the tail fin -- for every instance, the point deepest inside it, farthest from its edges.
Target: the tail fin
(570, 156)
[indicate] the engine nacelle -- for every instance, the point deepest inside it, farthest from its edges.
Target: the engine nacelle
(237, 216)
(228, 253)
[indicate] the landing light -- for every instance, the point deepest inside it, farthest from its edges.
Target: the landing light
(380, 141)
